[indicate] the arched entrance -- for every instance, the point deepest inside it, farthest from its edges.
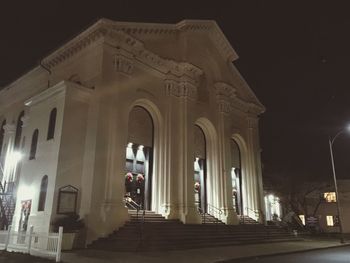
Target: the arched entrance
(236, 177)
(200, 169)
(139, 163)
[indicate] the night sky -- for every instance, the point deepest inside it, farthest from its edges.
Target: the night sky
(295, 55)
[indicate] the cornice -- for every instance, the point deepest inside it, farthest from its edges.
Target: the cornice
(105, 26)
(228, 100)
(208, 26)
(215, 34)
(50, 92)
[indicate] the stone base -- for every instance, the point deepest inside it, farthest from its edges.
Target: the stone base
(231, 217)
(191, 216)
(112, 216)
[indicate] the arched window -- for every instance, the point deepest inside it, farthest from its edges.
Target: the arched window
(19, 130)
(2, 134)
(43, 191)
(52, 124)
(34, 145)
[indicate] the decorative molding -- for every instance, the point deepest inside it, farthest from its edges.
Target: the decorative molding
(123, 62)
(215, 34)
(225, 93)
(76, 45)
(134, 50)
(122, 33)
(228, 100)
(180, 88)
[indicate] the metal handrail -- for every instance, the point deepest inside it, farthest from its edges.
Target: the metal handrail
(218, 210)
(132, 203)
(257, 213)
(137, 207)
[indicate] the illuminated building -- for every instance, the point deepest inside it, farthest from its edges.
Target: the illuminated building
(163, 101)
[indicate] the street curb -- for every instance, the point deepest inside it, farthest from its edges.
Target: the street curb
(241, 259)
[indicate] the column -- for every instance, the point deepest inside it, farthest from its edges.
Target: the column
(113, 211)
(224, 94)
(185, 94)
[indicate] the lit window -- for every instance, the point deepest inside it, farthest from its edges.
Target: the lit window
(330, 197)
(330, 221)
(302, 218)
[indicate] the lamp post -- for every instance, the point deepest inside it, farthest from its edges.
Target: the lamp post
(331, 141)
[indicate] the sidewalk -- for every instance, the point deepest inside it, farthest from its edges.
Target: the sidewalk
(204, 255)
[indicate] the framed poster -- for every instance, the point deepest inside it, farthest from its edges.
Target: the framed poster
(67, 200)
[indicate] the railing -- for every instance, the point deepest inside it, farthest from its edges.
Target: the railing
(38, 244)
(215, 211)
(212, 211)
(129, 203)
(255, 214)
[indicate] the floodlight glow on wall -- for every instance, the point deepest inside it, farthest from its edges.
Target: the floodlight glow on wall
(25, 192)
(11, 161)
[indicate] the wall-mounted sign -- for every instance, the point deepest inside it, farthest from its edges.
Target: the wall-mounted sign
(67, 200)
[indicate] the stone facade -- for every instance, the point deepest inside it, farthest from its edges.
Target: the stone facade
(182, 75)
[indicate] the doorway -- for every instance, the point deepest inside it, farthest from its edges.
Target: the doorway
(139, 159)
(236, 177)
(200, 170)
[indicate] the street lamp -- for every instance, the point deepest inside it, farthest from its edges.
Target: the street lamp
(331, 141)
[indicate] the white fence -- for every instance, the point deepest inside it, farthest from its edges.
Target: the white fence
(38, 244)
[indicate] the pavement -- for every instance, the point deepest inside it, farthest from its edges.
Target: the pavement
(329, 255)
(203, 255)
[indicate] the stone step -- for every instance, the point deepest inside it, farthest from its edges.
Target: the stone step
(154, 232)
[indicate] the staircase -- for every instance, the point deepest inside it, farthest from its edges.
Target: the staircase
(7, 205)
(209, 219)
(244, 219)
(153, 232)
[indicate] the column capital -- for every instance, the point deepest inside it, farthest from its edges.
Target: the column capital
(9, 128)
(180, 88)
(225, 93)
(123, 62)
(25, 120)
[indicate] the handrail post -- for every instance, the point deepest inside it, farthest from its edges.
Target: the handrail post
(8, 237)
(30, 238)
(59, 244)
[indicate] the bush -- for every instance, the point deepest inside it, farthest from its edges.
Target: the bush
(71, 223)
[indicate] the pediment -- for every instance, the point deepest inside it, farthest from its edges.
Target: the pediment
(104, 26)
(128, 38)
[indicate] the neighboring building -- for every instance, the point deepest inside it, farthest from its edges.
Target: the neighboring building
(273, 209)
(162, 102)
(322, 208)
